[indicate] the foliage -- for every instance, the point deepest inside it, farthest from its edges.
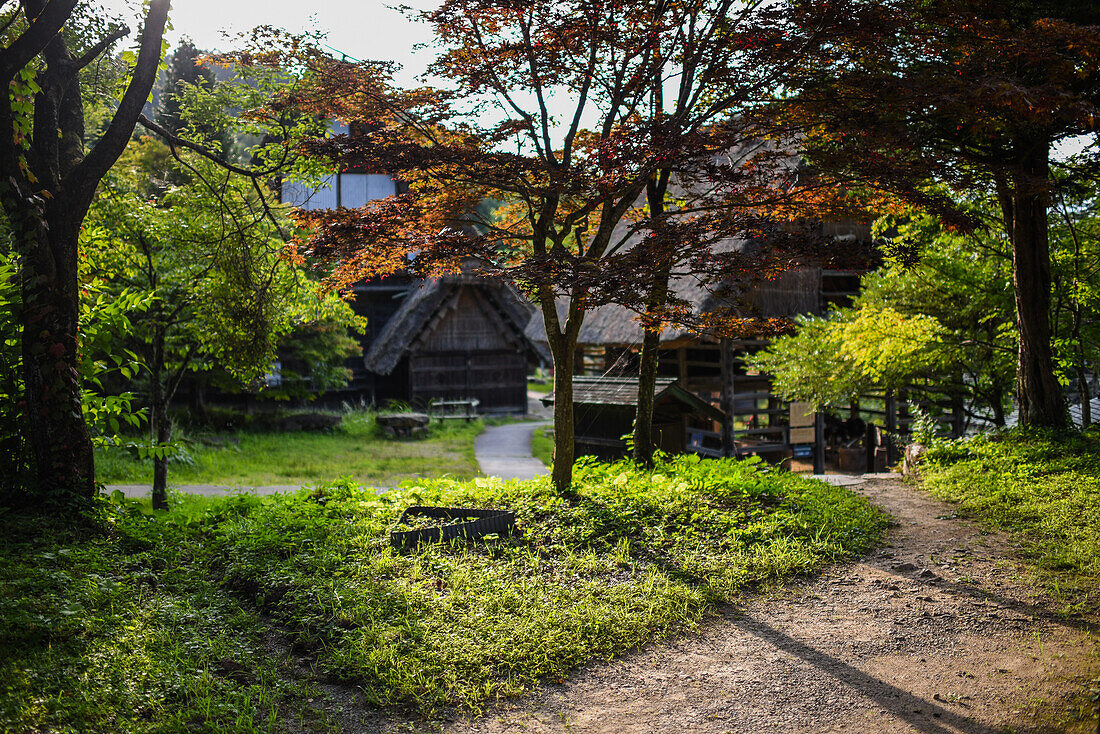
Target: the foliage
(51, 171)
(600, 204)
(638, 555)
(972, 94)
(107, 319)
(542, 445)
(831, 361)
(206, 254)
(12, 445)
(1075, 311)
(1044, 488)
(121, 629)
(250, 454)
(184, 70)
(163, 618)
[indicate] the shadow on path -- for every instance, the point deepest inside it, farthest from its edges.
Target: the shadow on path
(921, 714)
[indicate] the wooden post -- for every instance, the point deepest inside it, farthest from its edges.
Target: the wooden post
(958, 417)
(726, 395)
(870, 443)
(891, 428)
(819, 442)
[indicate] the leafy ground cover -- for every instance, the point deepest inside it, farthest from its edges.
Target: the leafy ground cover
(356, 449)
(119, 628)
(542, 444)
(158, 623)
(1044, 488)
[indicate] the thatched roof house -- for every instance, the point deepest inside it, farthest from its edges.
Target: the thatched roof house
(454, 338)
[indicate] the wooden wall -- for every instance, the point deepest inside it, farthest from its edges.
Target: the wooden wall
(469, 351)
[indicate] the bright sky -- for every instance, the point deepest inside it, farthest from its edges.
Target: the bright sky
(364, 29)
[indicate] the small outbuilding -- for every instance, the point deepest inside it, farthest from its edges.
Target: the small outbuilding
(460, 337)
(604, 409)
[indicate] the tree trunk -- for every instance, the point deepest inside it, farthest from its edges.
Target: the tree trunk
(1039, 396)
(562, 472)
(63, 464)
(160, 429)
(656, 189)
(647, 387)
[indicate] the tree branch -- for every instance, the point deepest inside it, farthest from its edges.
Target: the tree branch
(31, 42)
(119, 32)
(86, 175)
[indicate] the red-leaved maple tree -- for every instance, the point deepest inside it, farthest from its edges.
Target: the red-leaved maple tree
(588, 150)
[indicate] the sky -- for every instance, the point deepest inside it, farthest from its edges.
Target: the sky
(363, 29)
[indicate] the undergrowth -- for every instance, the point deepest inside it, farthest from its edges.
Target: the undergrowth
(1043, 487)
(157, 623)
(119, 629)
(639, 555)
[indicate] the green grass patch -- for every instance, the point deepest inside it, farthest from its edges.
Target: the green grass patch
(164, 622)
(1044, 488)
(356, 449)
(638, 555)
(542, 444)
(540, 384)
(120, 629)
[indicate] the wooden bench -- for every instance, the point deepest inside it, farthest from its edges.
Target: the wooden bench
(452, 409)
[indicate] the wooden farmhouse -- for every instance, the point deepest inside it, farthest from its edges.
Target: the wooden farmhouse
(711, 368)
(455, 338)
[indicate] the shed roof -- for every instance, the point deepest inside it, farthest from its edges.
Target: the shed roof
(623, 391)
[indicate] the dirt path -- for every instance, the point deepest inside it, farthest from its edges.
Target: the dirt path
(934, 633)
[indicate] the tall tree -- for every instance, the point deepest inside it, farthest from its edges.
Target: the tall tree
(185, 69)
(971, 93)
(50, 177)
(555, 110)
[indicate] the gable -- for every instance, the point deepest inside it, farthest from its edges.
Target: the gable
(466, 321)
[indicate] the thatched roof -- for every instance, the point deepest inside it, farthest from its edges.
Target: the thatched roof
(426, 299)
(796, 291)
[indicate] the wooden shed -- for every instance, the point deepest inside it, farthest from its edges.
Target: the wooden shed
(604, 410)
(454, 338)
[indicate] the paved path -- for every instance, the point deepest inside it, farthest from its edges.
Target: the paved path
(217, 490)
(505, 451)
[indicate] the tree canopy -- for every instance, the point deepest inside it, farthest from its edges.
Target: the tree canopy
(969, 94)
(658, 153)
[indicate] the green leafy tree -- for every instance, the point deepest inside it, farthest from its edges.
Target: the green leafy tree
(974, 93)
(831, 361)
(50, 173)
(1075, 312)
(945, 325)
(221, 287)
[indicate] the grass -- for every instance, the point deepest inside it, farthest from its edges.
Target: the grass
(1042, 487)
(542, 444)
(355, 449)
(158, 623)
(121, 629)
(541, 385)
